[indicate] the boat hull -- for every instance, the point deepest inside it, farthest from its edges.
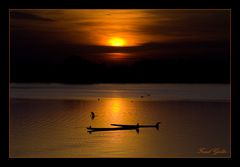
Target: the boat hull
(137, 126)
(107, 129)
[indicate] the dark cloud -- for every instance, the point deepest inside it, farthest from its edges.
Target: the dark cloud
(64, 62)
(198, 24)
(24, 44)
(28, 16)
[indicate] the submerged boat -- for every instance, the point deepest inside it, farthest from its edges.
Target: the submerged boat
(123, 127)
(90, 129)
(105, 129)
(137, 125)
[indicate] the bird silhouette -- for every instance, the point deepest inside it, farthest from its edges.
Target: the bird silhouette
(92, 115)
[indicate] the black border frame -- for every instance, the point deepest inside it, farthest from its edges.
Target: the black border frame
(120, 4)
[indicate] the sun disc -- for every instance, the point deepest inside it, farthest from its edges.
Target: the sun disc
(117, 42)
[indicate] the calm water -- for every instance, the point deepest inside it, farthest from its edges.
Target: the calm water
(51, 120)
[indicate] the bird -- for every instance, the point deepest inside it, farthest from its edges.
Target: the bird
(92, 115)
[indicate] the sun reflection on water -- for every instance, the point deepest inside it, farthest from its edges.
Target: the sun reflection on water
(115, 107)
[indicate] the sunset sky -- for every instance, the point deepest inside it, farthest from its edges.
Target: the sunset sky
(122, 36)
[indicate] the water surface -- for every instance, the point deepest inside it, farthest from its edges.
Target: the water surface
(51, 120)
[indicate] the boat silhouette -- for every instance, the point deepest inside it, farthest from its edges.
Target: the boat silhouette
(123, 127)
(90, 129)
(138, 126)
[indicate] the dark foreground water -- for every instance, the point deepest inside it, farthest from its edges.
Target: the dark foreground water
(51, 120)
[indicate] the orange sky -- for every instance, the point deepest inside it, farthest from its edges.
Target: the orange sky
(112, 42)
(113, 34)
(133, 27)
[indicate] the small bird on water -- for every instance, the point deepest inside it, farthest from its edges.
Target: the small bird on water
(92, 115)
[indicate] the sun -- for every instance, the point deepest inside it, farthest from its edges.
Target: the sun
(118, 42)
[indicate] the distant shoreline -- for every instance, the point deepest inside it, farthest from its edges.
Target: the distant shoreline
(130, 99)
(140, 92)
